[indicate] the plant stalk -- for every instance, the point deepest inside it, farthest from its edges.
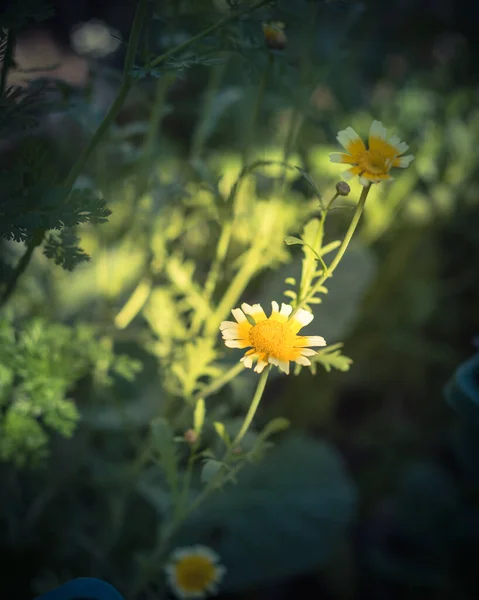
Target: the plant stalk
(342, 249)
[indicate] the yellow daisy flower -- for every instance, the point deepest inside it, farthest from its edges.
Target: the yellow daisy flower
(274, 35)
(194, 572)
(371, 164)
(272, 339)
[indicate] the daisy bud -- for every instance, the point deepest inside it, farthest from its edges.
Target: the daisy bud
(190, 436)
(274, 35)
(342, 188)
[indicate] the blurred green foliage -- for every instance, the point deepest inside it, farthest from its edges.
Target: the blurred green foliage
(116, 353)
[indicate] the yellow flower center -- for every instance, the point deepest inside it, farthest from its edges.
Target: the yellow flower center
(374, 161)
(274, 338)
(194, 573)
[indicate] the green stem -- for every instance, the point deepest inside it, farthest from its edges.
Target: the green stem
(156, 117)
(342, 249)
(178, 49)
(21, 266)
(253, 407)
(120, 98)
(234, 291)
(7, 60)
(217, 384)
(200, 134)
(256, 109)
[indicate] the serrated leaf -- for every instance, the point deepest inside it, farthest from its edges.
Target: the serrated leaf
(284, 517)
(330, 358)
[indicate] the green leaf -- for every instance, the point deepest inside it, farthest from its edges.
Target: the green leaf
(199, 416)
(330, 358)
(290, 240)
(275, 426)
(284, 517)
(210, 469)
(63, 249)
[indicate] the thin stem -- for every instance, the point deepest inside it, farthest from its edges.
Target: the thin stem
(21, 266)
(256, 109)
(7, 60)
(120, 98)
(234, 291)
(217, 384)
(178, 49)
(342, 249)
(253, 407)
(156, 118)
(199, 136)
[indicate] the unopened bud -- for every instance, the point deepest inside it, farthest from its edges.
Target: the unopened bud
(274, 35)
(190, 436)
(342, 188)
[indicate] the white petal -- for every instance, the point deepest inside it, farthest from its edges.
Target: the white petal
(247, 361)
(275, 306)
(347, 137)
(303, 316)
(230, 334)
(286, 309)
(273, 361)
(348, 174)
(316, 340)
(308, 352)
(401, 147)
(405, 161)
(378, 130)
(260, 366)
(207, 552)
(366, 182)
(234, 344)
(256, 311)
(238, 314)
(180, 553)
(228, 325)
(284, 366)
(302, 360)
(336, 157)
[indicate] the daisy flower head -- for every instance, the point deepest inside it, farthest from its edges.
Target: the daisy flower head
(273, 340)
(194, 572)
(274, 35)
(371, 164)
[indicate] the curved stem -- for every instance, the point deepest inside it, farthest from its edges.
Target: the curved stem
(342, 249)
(21, 266)
(253, 407)
(121, 96)
(235, 15)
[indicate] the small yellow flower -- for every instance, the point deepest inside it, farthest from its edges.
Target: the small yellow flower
(272, 339)
(371, 164)
(194, 572)
(274, 35)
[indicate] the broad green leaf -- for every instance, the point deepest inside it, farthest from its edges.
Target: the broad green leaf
(210, 469)
(284, 516)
